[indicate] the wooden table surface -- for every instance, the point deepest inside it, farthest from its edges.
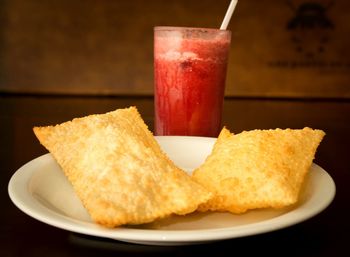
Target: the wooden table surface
(324, 235)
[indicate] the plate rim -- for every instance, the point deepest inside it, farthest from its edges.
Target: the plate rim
(18, 190)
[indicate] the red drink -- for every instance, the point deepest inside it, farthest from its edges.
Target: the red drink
(190, 70)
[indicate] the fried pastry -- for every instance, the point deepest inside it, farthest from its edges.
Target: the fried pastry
(118, 169)
(258, 168)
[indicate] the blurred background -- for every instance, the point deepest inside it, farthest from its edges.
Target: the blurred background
(280, 48)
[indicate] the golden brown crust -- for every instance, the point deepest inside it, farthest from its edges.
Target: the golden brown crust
(258, 168)
(118, 170)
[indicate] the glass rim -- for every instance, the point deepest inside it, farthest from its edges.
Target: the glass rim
(172, 28)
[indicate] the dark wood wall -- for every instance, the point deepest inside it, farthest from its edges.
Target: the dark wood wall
(280, 48)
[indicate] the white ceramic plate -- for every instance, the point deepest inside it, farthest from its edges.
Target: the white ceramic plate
(40, 189)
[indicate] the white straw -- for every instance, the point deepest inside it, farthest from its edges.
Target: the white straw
(228, 14)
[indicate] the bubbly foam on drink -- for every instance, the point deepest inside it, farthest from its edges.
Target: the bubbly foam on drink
(176, 48)
(172, 43)
(176, 55)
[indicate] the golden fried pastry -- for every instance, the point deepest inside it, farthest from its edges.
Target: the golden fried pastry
(118, 170)
(258, 168)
